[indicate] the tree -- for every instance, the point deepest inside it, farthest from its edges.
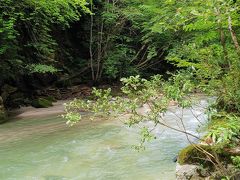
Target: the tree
(26, 32)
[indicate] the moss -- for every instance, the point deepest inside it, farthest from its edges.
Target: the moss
(191, 155)
(41, 103)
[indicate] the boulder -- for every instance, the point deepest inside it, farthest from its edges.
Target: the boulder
(192, 155)
(42, 103)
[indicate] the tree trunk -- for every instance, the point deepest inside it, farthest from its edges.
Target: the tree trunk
(233, 35)
(90, 43)
(222, 37)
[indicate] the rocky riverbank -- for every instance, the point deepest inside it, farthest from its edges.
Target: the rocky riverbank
(31, 112)
(13, 101)
(207, 161)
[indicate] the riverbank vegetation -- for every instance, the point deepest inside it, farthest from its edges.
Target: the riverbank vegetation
(48, 47)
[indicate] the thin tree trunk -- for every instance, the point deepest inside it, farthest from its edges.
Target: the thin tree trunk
(222, 37)
(233, 35)
(223, 43)
(91, 42)
(98, 76)
(139, 51)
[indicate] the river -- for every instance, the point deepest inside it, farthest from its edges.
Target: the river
(45, 148)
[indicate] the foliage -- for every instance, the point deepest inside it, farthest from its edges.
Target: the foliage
(26, 32)
(41, 68)
(236, 161)
(225, 130)
(154, 94)
(120, 43)
(198, 40)
(118, 63)
(130, 38)
(229, 93)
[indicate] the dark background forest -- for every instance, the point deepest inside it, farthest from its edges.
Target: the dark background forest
(48, 46)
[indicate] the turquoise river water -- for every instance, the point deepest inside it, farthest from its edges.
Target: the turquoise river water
(46, 149)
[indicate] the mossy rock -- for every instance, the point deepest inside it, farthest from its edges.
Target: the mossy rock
(192, 155)
(41, 103)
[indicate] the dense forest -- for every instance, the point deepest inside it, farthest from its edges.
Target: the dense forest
(64, 43)
(169, 47)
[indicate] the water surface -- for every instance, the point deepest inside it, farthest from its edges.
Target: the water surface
(46, 149)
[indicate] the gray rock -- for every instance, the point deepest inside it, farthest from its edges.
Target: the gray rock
(187, 172)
